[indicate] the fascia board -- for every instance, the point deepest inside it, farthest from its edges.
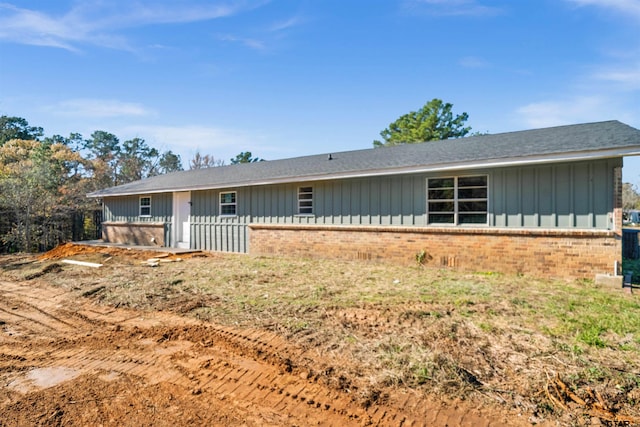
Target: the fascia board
(442, 167)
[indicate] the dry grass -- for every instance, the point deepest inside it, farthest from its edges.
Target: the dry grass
(483, 336)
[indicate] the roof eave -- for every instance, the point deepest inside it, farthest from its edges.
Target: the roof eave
(441, 167)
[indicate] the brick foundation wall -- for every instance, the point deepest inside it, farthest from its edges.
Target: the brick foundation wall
(136, 233)
(617, 200)
(568, 254)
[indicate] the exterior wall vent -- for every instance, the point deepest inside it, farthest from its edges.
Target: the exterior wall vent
(449, 261)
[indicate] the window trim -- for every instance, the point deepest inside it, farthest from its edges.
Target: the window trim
(456, 201)
(141, 207)
(234, 203)
(301, 200)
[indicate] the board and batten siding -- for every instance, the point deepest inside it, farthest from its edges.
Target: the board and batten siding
(127, 209)
(363, 201)
(577, 195)
(572, 195)
(211, 231)
(567, 196)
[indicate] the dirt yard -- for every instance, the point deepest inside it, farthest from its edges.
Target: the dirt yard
(73, 354)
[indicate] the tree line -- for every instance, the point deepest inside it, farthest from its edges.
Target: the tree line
(630, 197)
(44, 181)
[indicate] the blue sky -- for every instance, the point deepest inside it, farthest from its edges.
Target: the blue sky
(284, 78)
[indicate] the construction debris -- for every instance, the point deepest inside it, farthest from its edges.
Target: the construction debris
(155, 262)
(560, 395)
(82, 263)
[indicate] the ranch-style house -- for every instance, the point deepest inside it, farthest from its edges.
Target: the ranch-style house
(544, 202)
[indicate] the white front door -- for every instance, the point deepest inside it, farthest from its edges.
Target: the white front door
(182, 214)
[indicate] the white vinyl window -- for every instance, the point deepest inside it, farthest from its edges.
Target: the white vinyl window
(305, 200)
(457, 200)
(228, 203)
(145, 206)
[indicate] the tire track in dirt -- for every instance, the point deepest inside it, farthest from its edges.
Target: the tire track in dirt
(256, 372)
(27, 320)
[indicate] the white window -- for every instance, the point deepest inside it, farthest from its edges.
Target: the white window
(145, 206)
(457, 200)
(228, 203)
(305, 200)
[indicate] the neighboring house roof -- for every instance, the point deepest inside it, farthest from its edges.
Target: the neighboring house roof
(563, 143)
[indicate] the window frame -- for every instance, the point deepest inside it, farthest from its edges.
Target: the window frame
(223, 204)
(457, 200)
(144, 206)
(301, 201)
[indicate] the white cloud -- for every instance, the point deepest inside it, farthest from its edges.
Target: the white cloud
(473, 62)
(98, 108)
(157, 13)
(97, 23)
(608, 91)
(285, 25)
(626, 75)
(186, 140)
(265, 41)
(450, 7)
(245, 41)
(568, 111)
(35, 28)
(627, 7)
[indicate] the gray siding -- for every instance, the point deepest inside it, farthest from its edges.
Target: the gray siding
(571, 195)
(374, 201)
(211, 231)
(127, 209)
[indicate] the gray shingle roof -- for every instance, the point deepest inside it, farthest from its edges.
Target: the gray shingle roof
(573, 142)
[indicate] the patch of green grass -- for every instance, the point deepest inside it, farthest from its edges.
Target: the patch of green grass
(486, 327)
(588, 313)
(350, 339)
(591, 374)
(521, 302)
(421, 375)
(591, 335)
(489, 273)
(575, 350)
(297, 325)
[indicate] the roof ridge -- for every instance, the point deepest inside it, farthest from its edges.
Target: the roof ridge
(571, 142)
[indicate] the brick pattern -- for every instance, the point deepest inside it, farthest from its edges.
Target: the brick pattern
(617, 202)
(139, 233)
(570, 254)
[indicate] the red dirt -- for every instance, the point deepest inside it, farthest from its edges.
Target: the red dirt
(67, 250)
(66, 361)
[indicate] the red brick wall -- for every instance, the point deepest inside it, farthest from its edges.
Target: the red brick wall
(617, 200)
(541, 253)
(139, 233)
